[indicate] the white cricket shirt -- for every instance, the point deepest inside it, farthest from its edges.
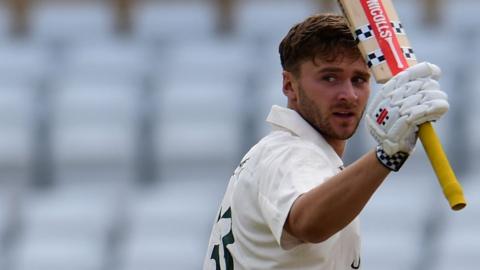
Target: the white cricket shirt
(248, 230)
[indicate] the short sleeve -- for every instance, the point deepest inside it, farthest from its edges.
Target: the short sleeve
(288, 172)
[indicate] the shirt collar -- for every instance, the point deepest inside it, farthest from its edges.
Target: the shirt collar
(284, 118)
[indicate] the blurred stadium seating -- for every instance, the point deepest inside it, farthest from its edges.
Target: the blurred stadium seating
(116, 147)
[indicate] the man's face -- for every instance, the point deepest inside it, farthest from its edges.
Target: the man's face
(331, 96)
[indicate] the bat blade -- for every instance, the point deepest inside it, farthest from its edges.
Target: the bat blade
(382, 38)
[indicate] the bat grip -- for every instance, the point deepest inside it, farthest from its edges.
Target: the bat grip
(446, 177)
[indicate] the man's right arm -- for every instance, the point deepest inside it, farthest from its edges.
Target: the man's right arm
(321, 212)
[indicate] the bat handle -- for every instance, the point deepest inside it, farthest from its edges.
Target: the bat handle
(446, 177)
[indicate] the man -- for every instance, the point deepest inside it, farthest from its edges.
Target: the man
(290, 203)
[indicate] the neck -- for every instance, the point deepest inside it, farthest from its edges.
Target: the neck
(337, 145)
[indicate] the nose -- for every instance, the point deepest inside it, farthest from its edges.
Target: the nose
(348, 92)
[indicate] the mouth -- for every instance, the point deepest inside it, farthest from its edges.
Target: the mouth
(344, 114)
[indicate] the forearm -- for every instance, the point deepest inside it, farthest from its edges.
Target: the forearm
(326, 209)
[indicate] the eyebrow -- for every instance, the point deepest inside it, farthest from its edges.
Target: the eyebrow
(363, 74)
(337, 69)
(330, 69)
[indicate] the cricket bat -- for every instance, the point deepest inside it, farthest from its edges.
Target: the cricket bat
(387, 51)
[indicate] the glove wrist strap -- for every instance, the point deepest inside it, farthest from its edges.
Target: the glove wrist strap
(393, 162)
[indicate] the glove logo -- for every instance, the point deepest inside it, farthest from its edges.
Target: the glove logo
(382, 115)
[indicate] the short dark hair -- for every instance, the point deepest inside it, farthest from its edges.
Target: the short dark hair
(323, 36)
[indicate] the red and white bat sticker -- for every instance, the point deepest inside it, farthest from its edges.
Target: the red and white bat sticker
(385, 35)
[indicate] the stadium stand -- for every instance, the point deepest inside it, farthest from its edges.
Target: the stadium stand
(116, 146)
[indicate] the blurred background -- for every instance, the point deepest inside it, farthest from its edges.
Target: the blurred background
(121, 122)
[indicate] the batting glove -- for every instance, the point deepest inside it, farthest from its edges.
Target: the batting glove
(409, 99)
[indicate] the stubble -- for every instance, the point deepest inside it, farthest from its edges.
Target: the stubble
(320, 120)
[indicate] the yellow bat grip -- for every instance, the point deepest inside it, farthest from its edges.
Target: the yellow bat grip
(446, 177)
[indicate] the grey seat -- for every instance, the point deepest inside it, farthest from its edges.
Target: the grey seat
(154, 20)
(93, 129)
(63, 229)
(16, 131)
(23, 61)
(162, 236)
(71, 22)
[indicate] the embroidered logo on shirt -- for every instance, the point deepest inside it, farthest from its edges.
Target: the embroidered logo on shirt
(240, 167)
(356, 263)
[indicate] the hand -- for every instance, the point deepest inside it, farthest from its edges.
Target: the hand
(409, 99)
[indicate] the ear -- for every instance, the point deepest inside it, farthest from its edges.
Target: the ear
(289, 87)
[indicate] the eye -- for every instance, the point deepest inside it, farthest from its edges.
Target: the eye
(359, 80)
(329, 78)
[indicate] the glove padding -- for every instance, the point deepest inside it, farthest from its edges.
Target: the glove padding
(409, 99)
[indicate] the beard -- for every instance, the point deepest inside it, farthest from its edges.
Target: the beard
(319, 120)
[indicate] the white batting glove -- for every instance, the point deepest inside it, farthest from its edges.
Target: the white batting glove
(409, 99)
